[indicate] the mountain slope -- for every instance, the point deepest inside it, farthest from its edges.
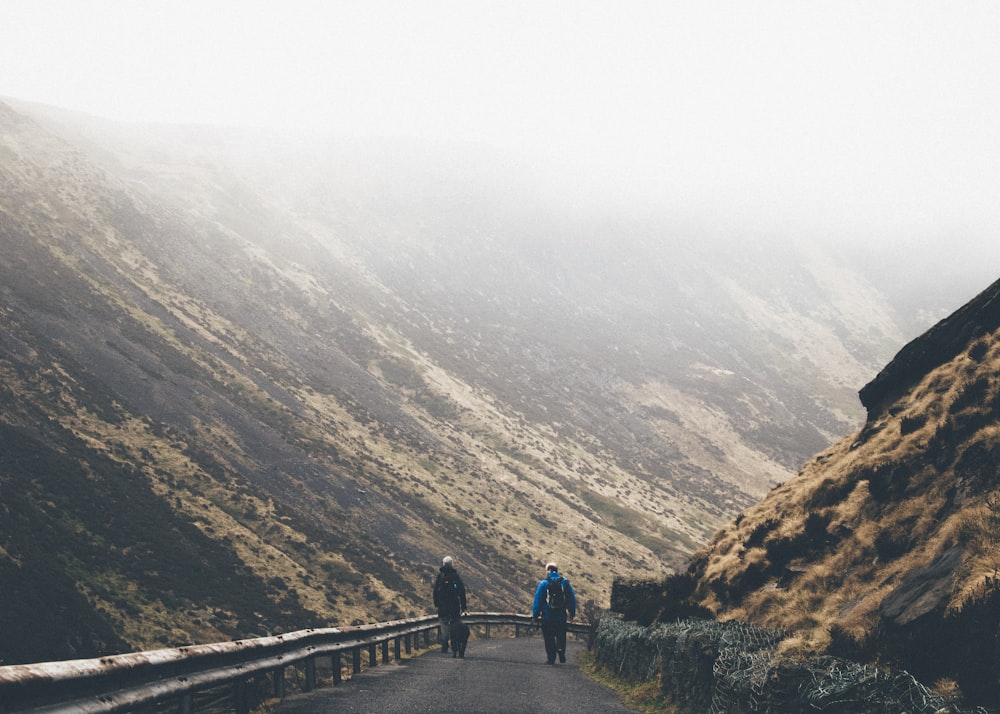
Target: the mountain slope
(886, 546)
(251, 386)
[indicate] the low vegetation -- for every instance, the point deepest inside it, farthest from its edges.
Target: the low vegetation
(884, 548)
(642, 696)
(233, 406)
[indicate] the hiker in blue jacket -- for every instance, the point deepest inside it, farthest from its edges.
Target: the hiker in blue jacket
(554, 607)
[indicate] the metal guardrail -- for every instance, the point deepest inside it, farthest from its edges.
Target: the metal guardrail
(126, 682)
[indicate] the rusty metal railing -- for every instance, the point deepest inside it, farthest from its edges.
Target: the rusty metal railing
(127, 682)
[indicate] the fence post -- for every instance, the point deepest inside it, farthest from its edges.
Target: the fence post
(278, 678)
(310, 667)
(184, 703)
(241, 700)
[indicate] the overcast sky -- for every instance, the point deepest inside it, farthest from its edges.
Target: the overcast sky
(869, 117)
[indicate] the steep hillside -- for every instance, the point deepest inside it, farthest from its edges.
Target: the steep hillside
(887, 545)
(251, 386)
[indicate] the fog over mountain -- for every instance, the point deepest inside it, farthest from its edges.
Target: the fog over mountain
(873, 122)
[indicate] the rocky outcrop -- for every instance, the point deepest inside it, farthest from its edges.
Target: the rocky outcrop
(944, 341)
(917, 628)
(881, 548)
(924, 591)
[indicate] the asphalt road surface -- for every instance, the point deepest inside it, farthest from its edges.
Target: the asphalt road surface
(497, 676)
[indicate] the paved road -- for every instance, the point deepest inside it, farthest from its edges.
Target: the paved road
(497, 676)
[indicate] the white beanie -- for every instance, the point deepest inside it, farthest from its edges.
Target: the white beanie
(448, 560)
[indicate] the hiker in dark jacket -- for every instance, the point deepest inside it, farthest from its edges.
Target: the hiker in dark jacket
(554, 607)
(449, 599)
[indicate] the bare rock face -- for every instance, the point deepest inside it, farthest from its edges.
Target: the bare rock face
(945, 340)
(923, 591)
(932, 642)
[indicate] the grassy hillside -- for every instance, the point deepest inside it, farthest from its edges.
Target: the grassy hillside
(252, 387)
(885, 546)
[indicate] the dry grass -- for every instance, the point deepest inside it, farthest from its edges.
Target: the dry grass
(907, 488)
(646, 697)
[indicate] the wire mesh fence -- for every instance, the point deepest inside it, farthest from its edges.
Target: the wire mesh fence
(734, 668)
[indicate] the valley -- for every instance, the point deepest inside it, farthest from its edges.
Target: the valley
(290, 377)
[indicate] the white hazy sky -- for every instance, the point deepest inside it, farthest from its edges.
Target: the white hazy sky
(854, 116)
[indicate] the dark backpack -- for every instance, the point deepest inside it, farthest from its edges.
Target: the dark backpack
(555, 596)
(448, 589)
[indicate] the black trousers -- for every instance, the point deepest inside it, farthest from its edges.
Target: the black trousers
(554, 632)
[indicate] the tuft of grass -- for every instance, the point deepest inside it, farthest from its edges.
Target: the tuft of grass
(645, 697)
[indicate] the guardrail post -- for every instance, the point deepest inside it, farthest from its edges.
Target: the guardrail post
(356, 657)
(427, 638)
(487, 630)
(241, 700)
(517, 629)
(385, 651)
(310, 667)
(337, 674)
(408, 643)
(278, 677)
(395, 650)
(371, 655)
(184, 705)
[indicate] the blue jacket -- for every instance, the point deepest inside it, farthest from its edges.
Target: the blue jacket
(541, 608)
